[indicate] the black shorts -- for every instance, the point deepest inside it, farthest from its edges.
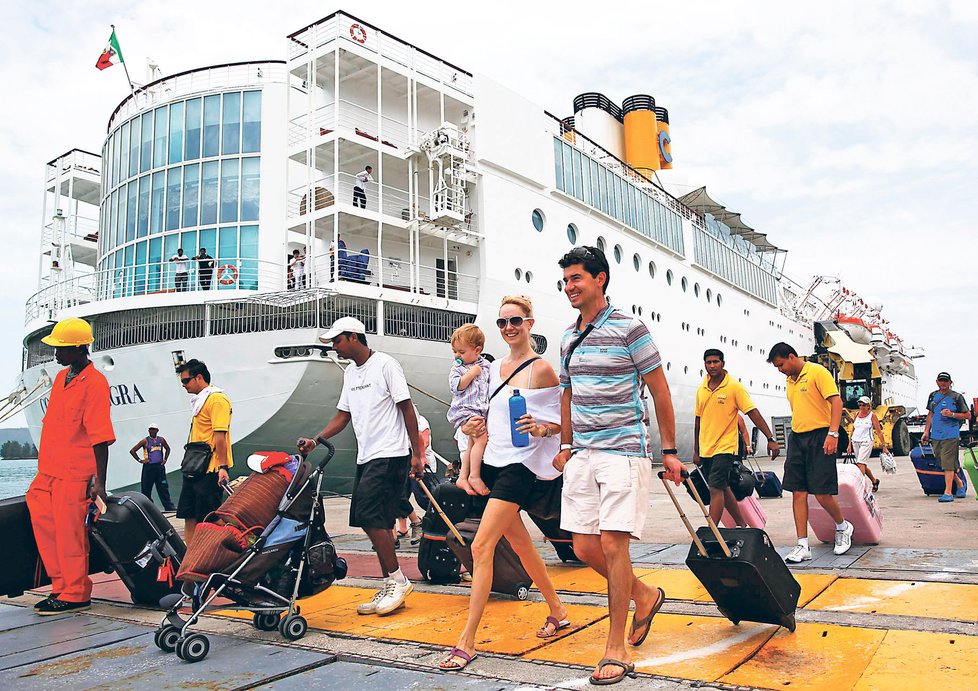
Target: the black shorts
(199, 496)
(806, 466)
(378, 490)
(717, 469)
(512, 483)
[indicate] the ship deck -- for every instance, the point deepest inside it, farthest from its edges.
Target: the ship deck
(900, 615)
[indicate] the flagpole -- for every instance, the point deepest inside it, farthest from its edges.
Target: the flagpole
(132, 89)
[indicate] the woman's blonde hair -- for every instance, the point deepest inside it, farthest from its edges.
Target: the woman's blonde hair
(521, 301)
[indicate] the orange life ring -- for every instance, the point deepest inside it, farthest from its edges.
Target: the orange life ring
(358, 33)
(227, 274)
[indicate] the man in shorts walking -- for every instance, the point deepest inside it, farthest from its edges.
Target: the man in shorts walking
(946, 410)
(809, 467)
(606, 359)
(376, 399)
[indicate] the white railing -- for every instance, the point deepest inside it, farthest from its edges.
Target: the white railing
(76, 226)
(153, 279)
(355, 119)
(77, 159)
(393, 273)
(219, 78)
(391, 201)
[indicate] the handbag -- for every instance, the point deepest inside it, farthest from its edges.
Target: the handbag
(699, 484)
(544, 499)
(196, 459)
(888, 463)
(742, 481)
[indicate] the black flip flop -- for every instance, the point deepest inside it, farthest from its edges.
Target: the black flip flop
(647, 620)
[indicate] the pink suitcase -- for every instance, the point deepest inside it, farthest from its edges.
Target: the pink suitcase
(752, 512)
(858, 504)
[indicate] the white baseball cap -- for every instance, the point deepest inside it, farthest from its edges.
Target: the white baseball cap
(343, 325)
(865, 399)
(154, 425)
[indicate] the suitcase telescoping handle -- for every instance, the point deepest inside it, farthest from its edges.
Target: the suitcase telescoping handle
(441, 513)
(706, 514)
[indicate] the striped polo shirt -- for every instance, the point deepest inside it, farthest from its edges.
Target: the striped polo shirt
(605, 376)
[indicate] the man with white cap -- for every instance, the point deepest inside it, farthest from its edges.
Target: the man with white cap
(376, 399)
(155, 455)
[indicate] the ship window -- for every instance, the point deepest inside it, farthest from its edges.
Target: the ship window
(176, 133)
(191, 145)
(719, 300)
(229, 190)
(696, 289)
(538, 220)
(636, 261)
(208, 193)
(529, 276)
(560, 286)
(191, 194)
(173, 186)
(250, 188)
(159, 140)
(251, 127)
(685, 284)
(652, 269)
(538, 343)
(601, 243)
(669, 276)
(133, 144)
(572, 233)
(212, 125)
(518, 274)
(146, 143)
(618, 254)
(640, 310)
(231, 124)
(709, 295)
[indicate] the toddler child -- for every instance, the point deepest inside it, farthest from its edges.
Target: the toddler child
(469, 382)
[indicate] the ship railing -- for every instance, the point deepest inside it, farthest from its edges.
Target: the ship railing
(362, 267)
(380, 198)
(75, 159)
(356, 120)
(77, 226)
(155, 278)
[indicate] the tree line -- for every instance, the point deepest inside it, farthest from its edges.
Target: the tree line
(13, 450)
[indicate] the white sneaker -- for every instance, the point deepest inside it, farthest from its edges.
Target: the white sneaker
(799, 554)
(394, 596)
(371, 607)
(843, 539)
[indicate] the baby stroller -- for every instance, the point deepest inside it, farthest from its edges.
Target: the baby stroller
(265, 547)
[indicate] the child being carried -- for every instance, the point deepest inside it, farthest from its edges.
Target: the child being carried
(469, 383)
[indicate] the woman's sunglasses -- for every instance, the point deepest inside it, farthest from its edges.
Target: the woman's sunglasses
(515, 321)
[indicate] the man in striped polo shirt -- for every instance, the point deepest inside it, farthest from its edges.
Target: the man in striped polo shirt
(606, 359)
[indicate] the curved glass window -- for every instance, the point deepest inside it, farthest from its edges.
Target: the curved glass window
(145, 146)
(538, 220)
(208, 193)
(229, 190)
(212, 125)
(251, 122)
(231, 124)
(191, 194)
(572, 233)
(173, 185)
(191, 148)
(176, 133)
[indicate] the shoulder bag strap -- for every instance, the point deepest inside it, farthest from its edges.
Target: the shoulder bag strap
(515, 372)
(589, 329)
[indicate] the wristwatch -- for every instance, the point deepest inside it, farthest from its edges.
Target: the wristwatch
(669, 452)
(834, 434)
(771, 440)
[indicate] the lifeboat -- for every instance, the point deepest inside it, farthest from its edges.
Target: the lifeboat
(858, 330)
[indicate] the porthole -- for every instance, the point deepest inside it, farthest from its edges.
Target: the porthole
(701, 373)
(652, 269)
(634, 310)
(685, 369)
(636, 261)
(709, 295)
(617, 254)
(108, 364)
(668, 366)
(601, 243)
(560, 286)
(669, 276)
(685, 284)
(719, 300)
(529, 276)
(572, 233)
(518, 274)
(538, 220)
(538, 343)
(640, 310)
(696, 289)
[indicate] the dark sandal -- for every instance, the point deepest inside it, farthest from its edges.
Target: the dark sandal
(556, 623)
(628, 670)
(447, 665)
(876, 484)
(647, 620)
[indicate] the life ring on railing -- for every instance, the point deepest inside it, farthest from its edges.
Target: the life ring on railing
(358, 33)
(227, 274)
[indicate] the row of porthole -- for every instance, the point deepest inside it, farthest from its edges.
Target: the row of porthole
(520, 274)
(702, 373)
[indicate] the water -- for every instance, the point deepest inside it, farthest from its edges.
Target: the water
(16, 476)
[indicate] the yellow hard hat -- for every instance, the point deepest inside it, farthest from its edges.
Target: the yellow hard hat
(70, 332)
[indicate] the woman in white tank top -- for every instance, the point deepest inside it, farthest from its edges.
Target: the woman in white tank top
(864, 425)
(510, 472)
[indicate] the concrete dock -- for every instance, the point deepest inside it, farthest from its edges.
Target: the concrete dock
(901, 615)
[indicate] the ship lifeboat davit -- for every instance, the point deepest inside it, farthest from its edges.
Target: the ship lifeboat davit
(857, 329)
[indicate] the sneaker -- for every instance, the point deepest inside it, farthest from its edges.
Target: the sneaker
(799, 554)
(843, 539)
(371, 607)
(394, 596)
(56, 606)
(961, 493)
(416, 533)
(945, 498)
(45, 602)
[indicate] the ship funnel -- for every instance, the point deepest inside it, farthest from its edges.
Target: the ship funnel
(665, 141)
(600, 120)
(641, 135)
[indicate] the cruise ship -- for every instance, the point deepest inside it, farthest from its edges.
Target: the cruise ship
(474, 192)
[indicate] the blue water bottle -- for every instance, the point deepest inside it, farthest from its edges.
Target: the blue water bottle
(517, 409)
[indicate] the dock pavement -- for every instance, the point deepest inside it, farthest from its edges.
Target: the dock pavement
(899, 615)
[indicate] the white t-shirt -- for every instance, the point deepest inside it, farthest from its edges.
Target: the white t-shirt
(298, 266)
(363, 177)
(370, 395)
(182, 261)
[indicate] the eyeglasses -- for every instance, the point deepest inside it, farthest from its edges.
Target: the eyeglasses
(186, 380)
(515, 321)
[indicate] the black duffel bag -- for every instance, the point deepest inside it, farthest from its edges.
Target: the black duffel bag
(742, 481)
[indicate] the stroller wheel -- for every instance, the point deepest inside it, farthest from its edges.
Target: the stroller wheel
(166, 638)
(193, 648)
(266, 621)
(293, 627)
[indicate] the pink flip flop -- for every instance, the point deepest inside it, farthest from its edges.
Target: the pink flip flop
(557, 624)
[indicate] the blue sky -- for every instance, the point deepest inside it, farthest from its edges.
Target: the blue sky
(845, 131)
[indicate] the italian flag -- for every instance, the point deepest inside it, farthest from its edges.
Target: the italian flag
(112, 55)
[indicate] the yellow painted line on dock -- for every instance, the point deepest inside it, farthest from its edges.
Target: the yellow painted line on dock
(908, 598)
(815, 656)
(690, 647)
(914, 660)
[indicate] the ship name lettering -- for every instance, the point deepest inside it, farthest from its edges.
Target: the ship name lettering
(121, 394)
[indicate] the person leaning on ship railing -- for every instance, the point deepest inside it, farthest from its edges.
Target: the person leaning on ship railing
(376, 399)
(605, 455)
(72, 459)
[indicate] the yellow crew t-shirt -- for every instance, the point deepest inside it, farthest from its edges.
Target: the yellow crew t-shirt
(718, 412)
(809, 396)
(215, 416)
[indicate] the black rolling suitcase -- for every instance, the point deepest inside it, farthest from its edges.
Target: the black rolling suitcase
(561, 540)
(138, 541)
(508, 575)
(436, 561)
(741, 570)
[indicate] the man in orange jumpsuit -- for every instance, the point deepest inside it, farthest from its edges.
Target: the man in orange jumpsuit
(75, 437)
